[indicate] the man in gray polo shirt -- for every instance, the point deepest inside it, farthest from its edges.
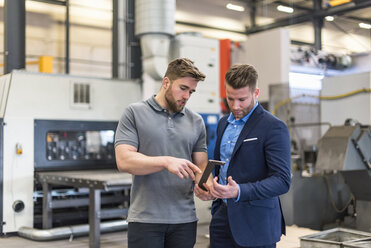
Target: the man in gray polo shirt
(163, 144)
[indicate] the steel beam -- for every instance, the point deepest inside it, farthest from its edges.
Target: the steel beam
(300, 18)
(115, 39)
(14, 35)
(317, 25)
(253, 13)
(209, 27)
(55, 2)
(47, 206)
(67, 42)
(1, 175)
(94, 217)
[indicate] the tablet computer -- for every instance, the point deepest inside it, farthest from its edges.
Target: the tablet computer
(209, 168)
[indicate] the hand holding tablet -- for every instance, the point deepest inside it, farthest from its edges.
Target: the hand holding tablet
(210, 166)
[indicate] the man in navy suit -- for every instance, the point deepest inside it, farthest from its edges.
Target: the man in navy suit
(255, 145)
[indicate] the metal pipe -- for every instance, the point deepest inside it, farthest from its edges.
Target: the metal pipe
(310, 124)
(253, 13)
(115, 39)
(67, 45)
(133, 52)
(1, 174)
(69, 231)
(317, 25)
(154, 25)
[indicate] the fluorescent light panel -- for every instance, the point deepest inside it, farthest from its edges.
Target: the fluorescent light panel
(329, 18)
(365, 25)
(285, 9)
(235, 7)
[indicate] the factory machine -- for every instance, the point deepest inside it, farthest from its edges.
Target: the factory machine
(331, 178)
(57, 123)
(348, 149)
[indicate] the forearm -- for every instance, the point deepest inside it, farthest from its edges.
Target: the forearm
(128, 159)
(139, 164)
(200, 159)
(198, 175)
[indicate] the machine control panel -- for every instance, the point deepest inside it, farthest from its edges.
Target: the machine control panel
(74, 145)
(79, 145)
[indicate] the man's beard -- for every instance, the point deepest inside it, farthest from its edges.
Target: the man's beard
(245, 111)
(171, 102)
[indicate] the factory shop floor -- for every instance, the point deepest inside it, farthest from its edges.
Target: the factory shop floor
(118, 240)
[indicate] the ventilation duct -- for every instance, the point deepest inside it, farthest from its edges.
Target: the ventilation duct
(154, 25)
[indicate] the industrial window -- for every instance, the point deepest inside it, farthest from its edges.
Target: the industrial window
(305, 81)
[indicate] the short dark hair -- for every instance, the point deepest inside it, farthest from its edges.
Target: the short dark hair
(183, 67)
(240, 76)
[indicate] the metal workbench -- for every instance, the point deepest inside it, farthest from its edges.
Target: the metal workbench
(97, 181)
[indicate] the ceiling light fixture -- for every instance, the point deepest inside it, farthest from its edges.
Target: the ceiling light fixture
(285, 9)
(235, 7)
(365, 25)
(329, 18)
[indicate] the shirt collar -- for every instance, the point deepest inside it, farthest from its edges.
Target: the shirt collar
(231, 118)
(156, 106)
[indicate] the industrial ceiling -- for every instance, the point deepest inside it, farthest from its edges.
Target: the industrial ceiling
(260, 15)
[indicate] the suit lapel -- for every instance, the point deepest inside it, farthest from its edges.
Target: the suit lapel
(250, 124)
(223, 125)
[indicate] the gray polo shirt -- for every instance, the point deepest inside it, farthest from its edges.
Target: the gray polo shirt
(161, 197)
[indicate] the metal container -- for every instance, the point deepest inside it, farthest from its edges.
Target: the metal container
(362, 243)
(333, 238)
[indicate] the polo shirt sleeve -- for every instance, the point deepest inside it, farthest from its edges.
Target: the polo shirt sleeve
(126, 132)
(200, 145)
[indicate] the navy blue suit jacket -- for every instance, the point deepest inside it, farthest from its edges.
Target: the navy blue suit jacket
(260, 164)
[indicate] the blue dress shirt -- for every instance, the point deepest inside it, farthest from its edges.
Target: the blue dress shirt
(227, 144)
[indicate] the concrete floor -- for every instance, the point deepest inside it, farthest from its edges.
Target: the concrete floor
(119, 240)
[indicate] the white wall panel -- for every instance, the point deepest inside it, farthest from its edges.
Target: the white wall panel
(269, 53)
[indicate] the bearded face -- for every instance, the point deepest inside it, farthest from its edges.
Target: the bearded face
(173, 104)
(241, 111)
(241, 101)
(178, 93)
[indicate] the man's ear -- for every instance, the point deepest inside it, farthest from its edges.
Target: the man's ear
(256, 93)
(165, 82)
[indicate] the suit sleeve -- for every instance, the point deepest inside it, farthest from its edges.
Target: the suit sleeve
(278, 160)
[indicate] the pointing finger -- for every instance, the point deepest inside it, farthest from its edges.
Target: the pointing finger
(189, 172)
(194, 167)
(179, 174)
(184, 173)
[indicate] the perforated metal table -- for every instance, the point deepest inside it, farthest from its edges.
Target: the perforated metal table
(97, 181)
